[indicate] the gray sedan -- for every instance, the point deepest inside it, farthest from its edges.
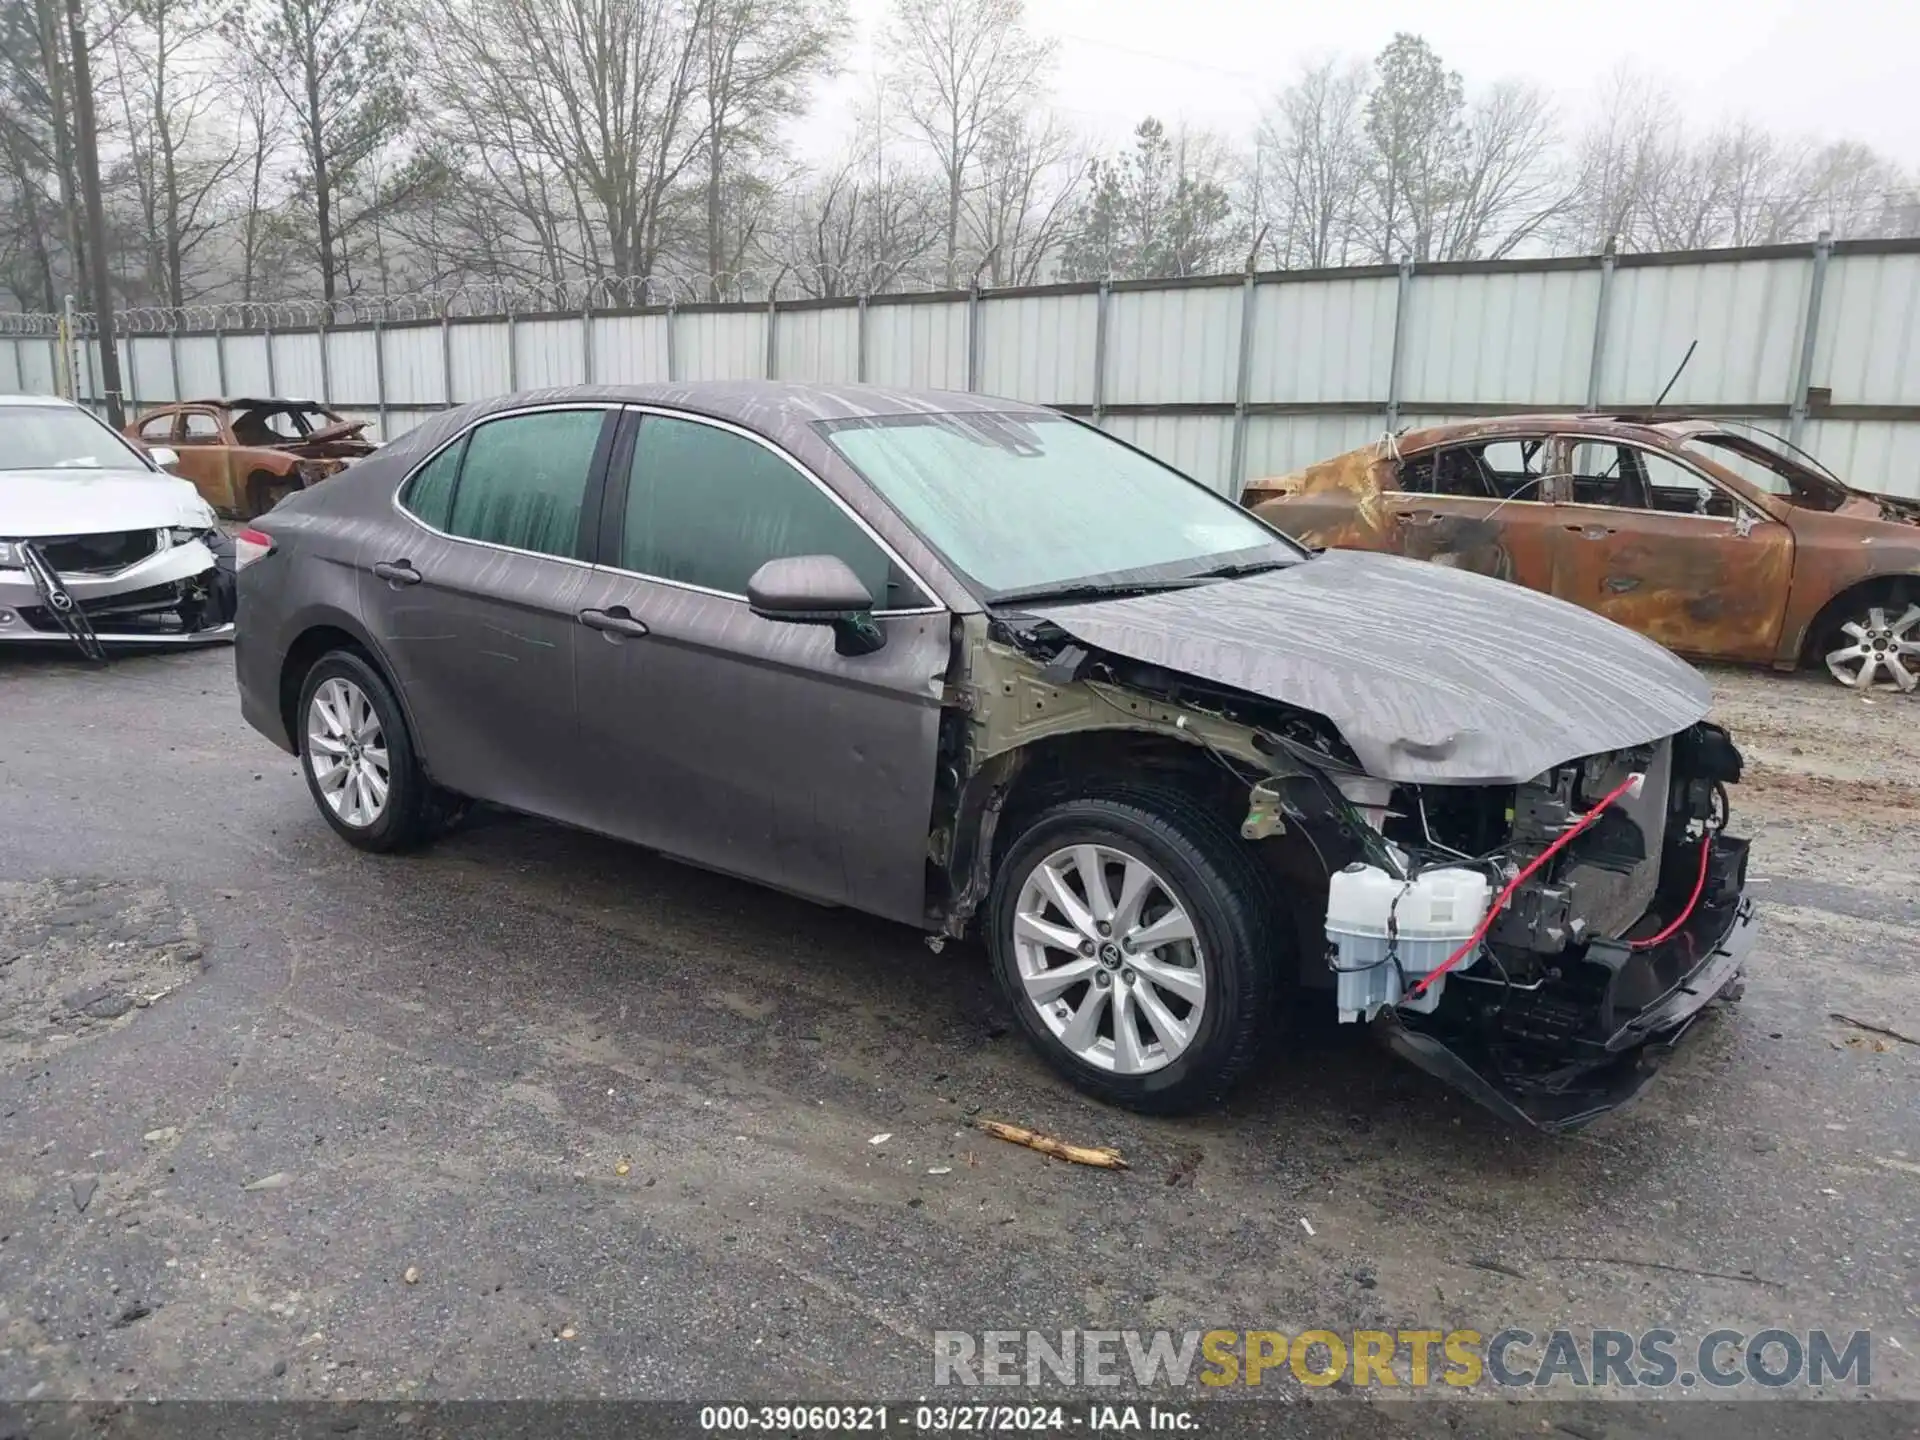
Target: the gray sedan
(980, 668)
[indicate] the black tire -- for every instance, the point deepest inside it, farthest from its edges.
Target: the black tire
(416, 810)
(1233, 903)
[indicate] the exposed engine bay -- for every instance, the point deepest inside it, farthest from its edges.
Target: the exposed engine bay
(1533, 944)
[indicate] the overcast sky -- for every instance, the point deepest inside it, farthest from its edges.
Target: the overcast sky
(1835, 68)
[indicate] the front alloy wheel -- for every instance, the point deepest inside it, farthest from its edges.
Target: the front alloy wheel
(1109, 959)
(347, 750)
(1137, 938)
(1876, 651)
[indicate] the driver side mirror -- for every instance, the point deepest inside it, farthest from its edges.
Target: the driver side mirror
(817, 590)
(164, 456)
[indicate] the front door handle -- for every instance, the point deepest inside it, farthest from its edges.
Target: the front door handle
(1414, 517)
(397, 572)
(1592, 532)
(617, 621)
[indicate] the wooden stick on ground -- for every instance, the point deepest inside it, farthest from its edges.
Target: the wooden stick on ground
(1100, 1157)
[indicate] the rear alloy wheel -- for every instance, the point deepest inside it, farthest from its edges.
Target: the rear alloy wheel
(359, 759)
(1878, 649)
(1132, 936)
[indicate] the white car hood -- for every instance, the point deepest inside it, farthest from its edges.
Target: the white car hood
(36, 503)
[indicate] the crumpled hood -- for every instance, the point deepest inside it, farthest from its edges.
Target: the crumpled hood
(1431, 674)
(84, 502)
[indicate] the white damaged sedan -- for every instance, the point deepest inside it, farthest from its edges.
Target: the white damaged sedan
(98, 544)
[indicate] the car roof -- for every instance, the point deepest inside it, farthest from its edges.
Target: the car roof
(1672, 429)
(38, 400)
(782, 411)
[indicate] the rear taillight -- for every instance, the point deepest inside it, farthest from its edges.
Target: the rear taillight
(251, 545)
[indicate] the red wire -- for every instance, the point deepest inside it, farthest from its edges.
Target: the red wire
(1514, 884)
(1699, 885)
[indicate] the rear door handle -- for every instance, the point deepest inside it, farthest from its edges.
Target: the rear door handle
(397, 572)
(1592, 532)
(617, 621)
(1414, 517)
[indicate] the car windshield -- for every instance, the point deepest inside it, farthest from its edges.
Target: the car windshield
(57, 437)
(1765, 468)
(1026, 505)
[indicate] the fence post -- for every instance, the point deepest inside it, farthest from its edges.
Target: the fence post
(1602, 315)
(1242, 388)
(1100, 307)
(1402, 293)
(673, 356)
(273, 386)
(133, 379)
(1809, 338)
(380, 379)
(513, 353)
(86, 350)
(860, 341)
(973, 336)
(773, 357)
(586, 341)
(220, 359)
(173, 355)
(446, 358)
(326, 367)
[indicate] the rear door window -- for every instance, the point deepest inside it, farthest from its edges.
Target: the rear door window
(429, 493)
(523, 479)
(708, 507)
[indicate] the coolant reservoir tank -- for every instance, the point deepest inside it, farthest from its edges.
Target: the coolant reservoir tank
(1384, 933)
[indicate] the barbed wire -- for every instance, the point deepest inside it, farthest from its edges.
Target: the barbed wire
(498, 299)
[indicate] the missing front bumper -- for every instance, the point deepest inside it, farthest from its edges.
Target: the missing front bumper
(1632, 1033)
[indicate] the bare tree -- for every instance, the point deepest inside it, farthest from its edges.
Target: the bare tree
(341, 67)
(962, 71)
(1501, 187)
(757, 58)
(1415, 129)
(1310, 165)
(181, 147)
(1621, 161)
(1031, 174)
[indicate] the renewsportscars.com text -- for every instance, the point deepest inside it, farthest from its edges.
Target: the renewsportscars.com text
(1460, 1359)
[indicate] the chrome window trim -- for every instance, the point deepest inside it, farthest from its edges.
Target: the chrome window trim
(668, 412)
(603, 406)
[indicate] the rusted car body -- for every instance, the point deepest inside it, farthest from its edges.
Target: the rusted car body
(1716, 543)
(244, 454)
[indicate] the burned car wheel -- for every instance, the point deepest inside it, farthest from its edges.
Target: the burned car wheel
(1877, 647)
(1131, 935)
(358, 757)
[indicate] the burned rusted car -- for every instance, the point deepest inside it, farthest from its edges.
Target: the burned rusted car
(1716, 542)
(243, 455)
(977, 667)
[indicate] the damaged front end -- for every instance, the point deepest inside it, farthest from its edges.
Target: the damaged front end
(1617, 914)
(169, 585)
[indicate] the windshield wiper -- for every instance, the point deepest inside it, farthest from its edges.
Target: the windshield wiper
(1109, 591)
(1245, 567)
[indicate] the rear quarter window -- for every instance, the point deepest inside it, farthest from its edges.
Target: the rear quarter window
(428, 493)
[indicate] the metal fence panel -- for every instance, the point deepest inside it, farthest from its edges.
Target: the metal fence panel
(1173, 346)
(36, 361)
(296, 366)
(152, 365)
(1868, 348)
(1881, 455)
(1519, 339)
(1039, 348)
(722, 345)
(1745, 314)
(415, 366)
(1322, 340)
(1281, 444)
(1195, 444)
(548, 353)
(630, 349)
(199, 368)
(819, 345)
(918, 346)
(247, 365)
(353, 371)
(480, 363)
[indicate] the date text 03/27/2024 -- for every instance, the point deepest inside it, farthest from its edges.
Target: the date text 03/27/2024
(946, 1419)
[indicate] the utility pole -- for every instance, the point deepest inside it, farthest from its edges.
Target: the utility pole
(86, 144)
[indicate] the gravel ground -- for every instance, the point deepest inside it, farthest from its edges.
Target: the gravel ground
(534, 1114)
